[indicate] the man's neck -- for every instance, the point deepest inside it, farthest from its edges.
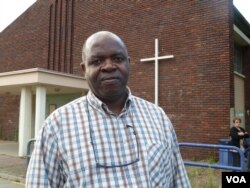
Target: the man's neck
(116, 105)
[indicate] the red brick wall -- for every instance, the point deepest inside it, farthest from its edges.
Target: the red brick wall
(196, 87)
(9, 117)
(24, 44)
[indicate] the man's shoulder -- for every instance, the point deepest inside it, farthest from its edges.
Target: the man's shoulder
(141, 100)
(66, 110)
(70, 105)
(145, 103)
(76, 101)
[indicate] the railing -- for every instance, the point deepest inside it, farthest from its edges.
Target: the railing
(29, 151)
(218, 166)
(189, 163)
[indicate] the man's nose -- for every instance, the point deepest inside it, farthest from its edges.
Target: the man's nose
(108, 64)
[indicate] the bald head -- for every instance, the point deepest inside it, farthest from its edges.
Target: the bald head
(98, 36)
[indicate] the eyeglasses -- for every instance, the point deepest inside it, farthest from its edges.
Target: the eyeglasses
(119, 151)
(125, 155)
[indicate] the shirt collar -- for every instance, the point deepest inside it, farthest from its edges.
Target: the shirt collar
(101, 106)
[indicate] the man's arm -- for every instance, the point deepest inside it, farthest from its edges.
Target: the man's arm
(180, 175)
(44, 168)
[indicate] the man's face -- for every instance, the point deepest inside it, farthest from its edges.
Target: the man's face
(106, 67)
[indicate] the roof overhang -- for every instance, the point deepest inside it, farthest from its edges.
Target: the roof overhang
(55, 82)
(240, 37)
(241, 22)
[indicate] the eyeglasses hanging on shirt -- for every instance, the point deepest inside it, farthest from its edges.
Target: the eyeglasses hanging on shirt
(113, 147)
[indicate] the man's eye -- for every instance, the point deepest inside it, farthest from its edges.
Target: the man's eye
(96, 62)
(118, 59)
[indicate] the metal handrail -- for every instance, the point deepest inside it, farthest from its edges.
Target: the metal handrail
(227, 167)
(190, 163)
(29, 153)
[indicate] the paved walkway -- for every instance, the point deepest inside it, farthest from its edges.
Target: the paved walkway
(12, 167)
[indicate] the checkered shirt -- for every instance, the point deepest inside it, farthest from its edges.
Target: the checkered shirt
(137, 148)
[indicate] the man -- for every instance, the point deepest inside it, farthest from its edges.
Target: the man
(108, 138)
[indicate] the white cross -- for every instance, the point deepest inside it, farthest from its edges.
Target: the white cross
(156, 58)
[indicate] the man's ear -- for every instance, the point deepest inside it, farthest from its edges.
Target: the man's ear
(83, 68)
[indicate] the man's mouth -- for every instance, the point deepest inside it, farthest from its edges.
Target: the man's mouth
(110, 80)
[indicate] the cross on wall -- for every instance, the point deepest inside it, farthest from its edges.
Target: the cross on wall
(156, 58)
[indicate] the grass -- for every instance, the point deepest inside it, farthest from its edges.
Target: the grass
(205, 177)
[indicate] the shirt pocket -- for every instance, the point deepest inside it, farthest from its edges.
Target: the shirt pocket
(160, 163)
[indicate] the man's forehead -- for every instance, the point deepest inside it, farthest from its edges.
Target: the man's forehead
(101, 39)
(102, 53)
(103, 42)
(105, 45)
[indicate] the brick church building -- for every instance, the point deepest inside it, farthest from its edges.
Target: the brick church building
(202, 85)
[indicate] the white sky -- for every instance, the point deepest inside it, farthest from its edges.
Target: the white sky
(11, 9)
